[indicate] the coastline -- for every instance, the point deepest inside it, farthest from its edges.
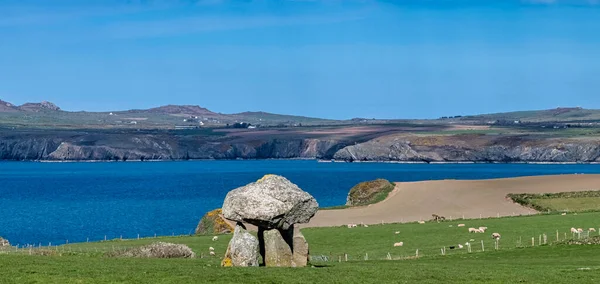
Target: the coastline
(312, 159)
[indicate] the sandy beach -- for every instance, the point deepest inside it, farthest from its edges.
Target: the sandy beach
(415, 201)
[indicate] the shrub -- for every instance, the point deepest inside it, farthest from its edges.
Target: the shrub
(369, 192)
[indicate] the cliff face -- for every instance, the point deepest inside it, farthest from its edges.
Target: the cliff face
(85, 146)
(469, 148)
(77, 146)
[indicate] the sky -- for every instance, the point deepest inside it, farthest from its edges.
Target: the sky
(321, 58)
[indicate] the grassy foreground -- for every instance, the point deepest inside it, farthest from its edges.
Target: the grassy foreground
(515, 261)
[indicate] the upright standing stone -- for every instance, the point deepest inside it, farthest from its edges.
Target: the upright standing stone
(242, 249)
(277, 251)
(300, 249)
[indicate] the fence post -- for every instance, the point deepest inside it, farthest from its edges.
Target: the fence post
(532, 241)
(557, 239)
(417, 253)
(346, 257)
(540, 240)
(389, 256)
(482, 247)
(366, 256)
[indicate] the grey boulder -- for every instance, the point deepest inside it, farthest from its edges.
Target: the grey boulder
(273, 202)
(242, 250)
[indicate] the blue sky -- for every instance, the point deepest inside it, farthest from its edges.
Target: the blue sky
(333, 59)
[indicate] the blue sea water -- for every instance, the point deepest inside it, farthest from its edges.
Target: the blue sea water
(56, 202)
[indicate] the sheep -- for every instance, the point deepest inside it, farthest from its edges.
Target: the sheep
(460, 246)
(580, 230)
(397, 232)
(421, 222)
(215, 238)
(365, 225)
(460, 225)
(211, 249)
(475, 230)
(399, 244)
(212, 253)
(574, 231)
(352, 226)
(495, 236)
(563, 214)
(482, 229)
(591, 229)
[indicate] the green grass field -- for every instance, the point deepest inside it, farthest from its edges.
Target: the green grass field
(577, 201)
(570, 204)
(515, 261)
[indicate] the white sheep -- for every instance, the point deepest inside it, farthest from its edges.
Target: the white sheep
(460, 246)
(365, 225)
(563, 214)
(460, 225)
(399, 244)
(495, 236)
(580, 230)
(211, 249)
(352, 226)
(212, 253)
(421, 222)
(473, 230)
(592, 229)
(397, 232)
(215, 238)
(574, 231)
(482, 229)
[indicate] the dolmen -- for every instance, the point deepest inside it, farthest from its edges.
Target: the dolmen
(274, 205)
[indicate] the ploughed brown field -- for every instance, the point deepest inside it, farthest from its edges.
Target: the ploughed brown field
(416, 201)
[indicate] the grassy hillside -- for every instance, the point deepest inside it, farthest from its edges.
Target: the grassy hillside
(515, 261)
(552, 115)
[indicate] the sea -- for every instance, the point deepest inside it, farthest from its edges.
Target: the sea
(42, 203)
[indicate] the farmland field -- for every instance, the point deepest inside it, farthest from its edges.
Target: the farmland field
(515, 261)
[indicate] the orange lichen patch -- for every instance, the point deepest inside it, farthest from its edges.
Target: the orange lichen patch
(264, 177)
(226, 262)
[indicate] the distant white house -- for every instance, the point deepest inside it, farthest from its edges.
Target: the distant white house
(251, 127)
(111, 113)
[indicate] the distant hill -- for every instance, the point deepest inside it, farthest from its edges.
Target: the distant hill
(46, 114)
(566, 114)
(7, 107)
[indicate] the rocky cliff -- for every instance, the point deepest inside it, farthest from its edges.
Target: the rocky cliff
(474, 148)
(86, 145)
(78, 146)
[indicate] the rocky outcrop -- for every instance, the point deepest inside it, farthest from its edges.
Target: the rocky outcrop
(242, 250)
(213, 223)
(4, 243)
(369, 192)
(157, 250)
(271, 202)
(275, 205)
